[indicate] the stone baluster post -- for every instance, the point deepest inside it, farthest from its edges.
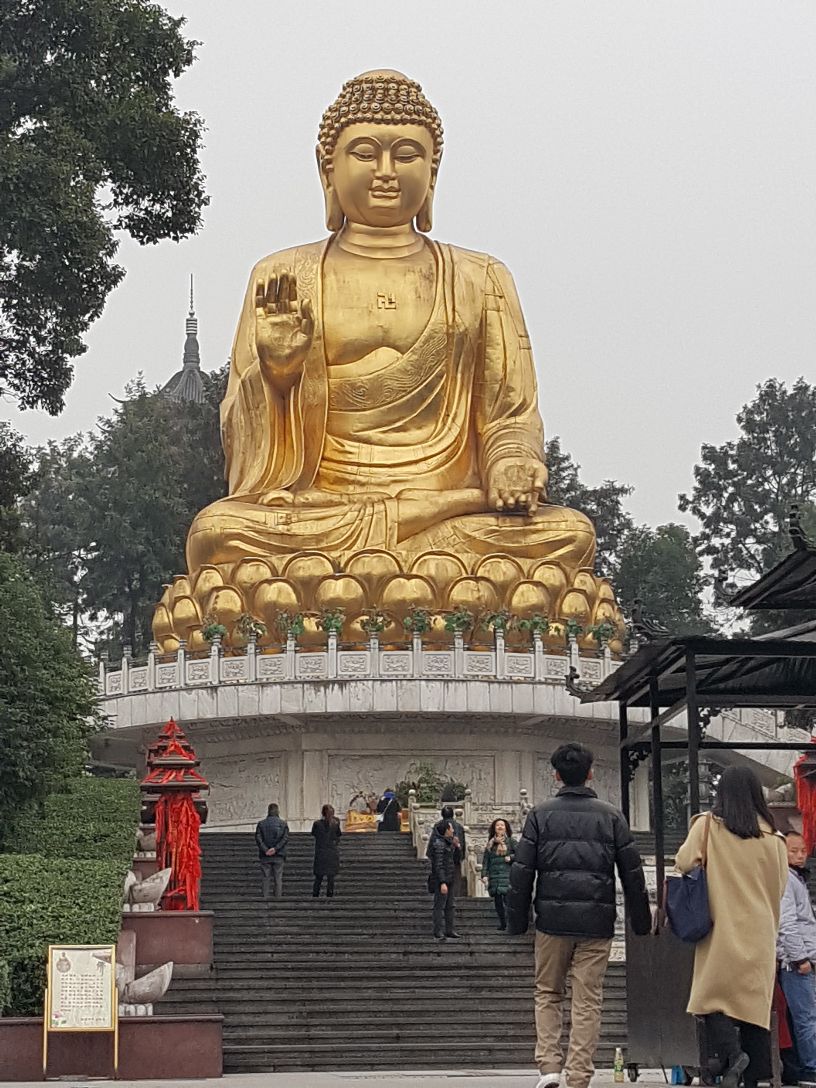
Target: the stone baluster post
(538, 655)
(150, 679)
(458, 654)
(501, 670)
(331, 650)
(215, 661)
(290, 657)
(374, 654)
(103, 670)
(524, 805)
(127, 658)
(181, 664)
(606, 653)
(416, 646)
(574, 655)
(252, 659)
(468, 806)
(416, 830)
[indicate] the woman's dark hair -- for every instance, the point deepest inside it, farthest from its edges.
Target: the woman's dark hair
(741, 803)
(573, 763)
(327, 812)
(500, 819)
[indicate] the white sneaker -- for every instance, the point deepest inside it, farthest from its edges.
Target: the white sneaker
(550, 1080)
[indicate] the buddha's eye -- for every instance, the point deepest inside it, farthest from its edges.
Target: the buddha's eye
(407, 156)
(364, 154)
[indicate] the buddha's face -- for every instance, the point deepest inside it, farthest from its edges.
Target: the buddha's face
(381, 174)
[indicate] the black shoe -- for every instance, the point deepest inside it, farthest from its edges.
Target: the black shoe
(454, 936)
(439, 936)
(502, 925)
(731, 1077)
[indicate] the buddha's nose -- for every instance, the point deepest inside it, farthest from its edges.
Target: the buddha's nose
(385, 166)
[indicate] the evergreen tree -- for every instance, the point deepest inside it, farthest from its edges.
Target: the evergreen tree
(90, 145)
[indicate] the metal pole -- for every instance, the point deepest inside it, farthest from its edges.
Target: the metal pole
(693, 717)
(658, 814)
(623, 719)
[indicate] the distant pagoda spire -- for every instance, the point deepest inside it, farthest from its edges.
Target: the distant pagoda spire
(187, 384)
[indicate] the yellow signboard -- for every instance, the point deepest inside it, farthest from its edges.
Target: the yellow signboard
(81, 992)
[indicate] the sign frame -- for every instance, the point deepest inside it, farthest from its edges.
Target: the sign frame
(55, 950)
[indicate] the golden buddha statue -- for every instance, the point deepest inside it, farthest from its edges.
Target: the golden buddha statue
(382, 399)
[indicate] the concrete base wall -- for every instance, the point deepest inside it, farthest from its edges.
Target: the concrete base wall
(185, 937)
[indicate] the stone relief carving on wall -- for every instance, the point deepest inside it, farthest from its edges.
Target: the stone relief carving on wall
(604, 780)
(374, 772)
(241, 787)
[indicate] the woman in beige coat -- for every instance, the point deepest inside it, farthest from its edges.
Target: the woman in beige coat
(747, 868)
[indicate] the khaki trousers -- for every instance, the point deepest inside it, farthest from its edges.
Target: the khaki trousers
(584, 963)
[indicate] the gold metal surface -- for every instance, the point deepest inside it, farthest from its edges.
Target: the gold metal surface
(381, 418)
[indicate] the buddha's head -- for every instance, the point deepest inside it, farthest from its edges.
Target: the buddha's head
(378, 150)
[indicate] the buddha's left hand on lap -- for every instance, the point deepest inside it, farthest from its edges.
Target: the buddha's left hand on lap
(517, 483)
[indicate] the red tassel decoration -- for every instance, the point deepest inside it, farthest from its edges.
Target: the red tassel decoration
(804, 773)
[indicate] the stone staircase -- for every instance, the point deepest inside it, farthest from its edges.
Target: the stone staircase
(357, 982)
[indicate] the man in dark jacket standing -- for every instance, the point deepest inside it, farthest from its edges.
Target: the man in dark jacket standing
(573, 842)
(271, 837)
(445, 858)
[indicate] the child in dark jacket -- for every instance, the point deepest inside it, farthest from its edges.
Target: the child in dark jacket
(498, 856)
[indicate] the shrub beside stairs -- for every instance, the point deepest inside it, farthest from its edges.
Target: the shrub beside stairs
(357, 982)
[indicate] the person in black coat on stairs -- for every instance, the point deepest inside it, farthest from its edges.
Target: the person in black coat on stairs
(445, 859)
(389, 813)
(327, 834)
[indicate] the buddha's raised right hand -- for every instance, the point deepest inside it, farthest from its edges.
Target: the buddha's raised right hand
(284, 326)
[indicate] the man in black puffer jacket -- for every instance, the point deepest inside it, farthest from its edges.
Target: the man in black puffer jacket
(574, 843)
(445, 857)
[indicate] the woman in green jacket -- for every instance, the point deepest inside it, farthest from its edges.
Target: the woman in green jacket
(498, 855)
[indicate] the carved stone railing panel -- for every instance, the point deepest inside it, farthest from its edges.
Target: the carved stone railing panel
(420, 662)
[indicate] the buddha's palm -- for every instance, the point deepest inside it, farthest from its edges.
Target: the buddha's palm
(517, 483)
(284, 326)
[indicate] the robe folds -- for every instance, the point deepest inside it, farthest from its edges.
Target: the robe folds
(322, 465)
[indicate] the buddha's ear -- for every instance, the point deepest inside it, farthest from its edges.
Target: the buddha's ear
(334, 213)
(424, 217)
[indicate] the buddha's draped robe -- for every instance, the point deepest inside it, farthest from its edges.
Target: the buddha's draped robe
(321, 466)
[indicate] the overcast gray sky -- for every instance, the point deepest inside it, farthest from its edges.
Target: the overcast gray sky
(645, 169)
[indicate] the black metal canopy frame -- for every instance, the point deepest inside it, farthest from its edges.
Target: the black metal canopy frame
(703, 675)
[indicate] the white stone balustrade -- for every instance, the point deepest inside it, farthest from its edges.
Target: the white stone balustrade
(164, 673)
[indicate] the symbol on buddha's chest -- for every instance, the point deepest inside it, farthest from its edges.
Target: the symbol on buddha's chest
(386, 300)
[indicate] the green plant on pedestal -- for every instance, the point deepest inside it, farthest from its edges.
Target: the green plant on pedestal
(573, 629)
(290, 625)
(602, 632)
(250, 628)
(212, 629)
(331, 620)
(418, 621)
(459, 621)
(537, 624)
(500, 622)
(374, 622)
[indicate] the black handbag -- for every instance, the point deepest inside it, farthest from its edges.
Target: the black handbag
(686, 899)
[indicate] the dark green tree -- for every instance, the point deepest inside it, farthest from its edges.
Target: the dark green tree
(603, 505)
(16, 478)
(106, 525)
(91, 144)
(744, 489)
(47, 695)
(661, 568)
(54, 516)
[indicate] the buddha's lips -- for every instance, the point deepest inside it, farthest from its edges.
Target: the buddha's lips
(389, 194)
